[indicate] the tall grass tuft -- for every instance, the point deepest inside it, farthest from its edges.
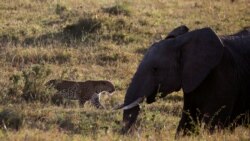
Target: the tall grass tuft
(28, 85)
(10, 119)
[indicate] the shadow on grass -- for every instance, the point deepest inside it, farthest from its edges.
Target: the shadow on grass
(85, 30)
(7, 39)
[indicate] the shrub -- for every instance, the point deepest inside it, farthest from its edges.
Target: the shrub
(34, 80)
(10, 119)
(83, 27)
(29, 85)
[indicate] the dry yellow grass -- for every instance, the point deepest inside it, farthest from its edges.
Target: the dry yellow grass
(34, 32)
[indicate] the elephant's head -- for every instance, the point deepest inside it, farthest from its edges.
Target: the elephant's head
(182, 60)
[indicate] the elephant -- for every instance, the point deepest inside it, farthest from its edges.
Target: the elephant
(212, 71)
(244, 32)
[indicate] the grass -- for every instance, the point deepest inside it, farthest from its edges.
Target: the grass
(82, 40)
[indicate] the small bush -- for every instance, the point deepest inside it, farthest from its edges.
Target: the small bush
(83, 26)
(34, 80)
(10, 119)
(29, 85)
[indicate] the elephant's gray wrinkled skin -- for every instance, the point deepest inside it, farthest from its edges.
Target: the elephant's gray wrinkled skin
(214, 73)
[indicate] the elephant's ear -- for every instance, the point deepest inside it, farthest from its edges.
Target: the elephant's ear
(202, 52)
(177, 31)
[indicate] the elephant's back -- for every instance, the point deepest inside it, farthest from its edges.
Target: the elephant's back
(239, 46)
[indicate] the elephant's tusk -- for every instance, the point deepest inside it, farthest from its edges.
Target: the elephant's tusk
(133, 104)
(118, 107)
(159, 87)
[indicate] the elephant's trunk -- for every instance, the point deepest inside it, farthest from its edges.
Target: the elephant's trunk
(138, 89)
(130, 114)
(129, 118)
(131, 105)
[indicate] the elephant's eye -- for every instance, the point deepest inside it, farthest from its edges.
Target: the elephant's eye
(154, 69)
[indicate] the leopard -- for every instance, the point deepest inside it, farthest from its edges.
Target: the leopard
(83, 91)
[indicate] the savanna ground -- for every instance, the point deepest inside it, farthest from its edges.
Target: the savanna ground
(95, 39)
